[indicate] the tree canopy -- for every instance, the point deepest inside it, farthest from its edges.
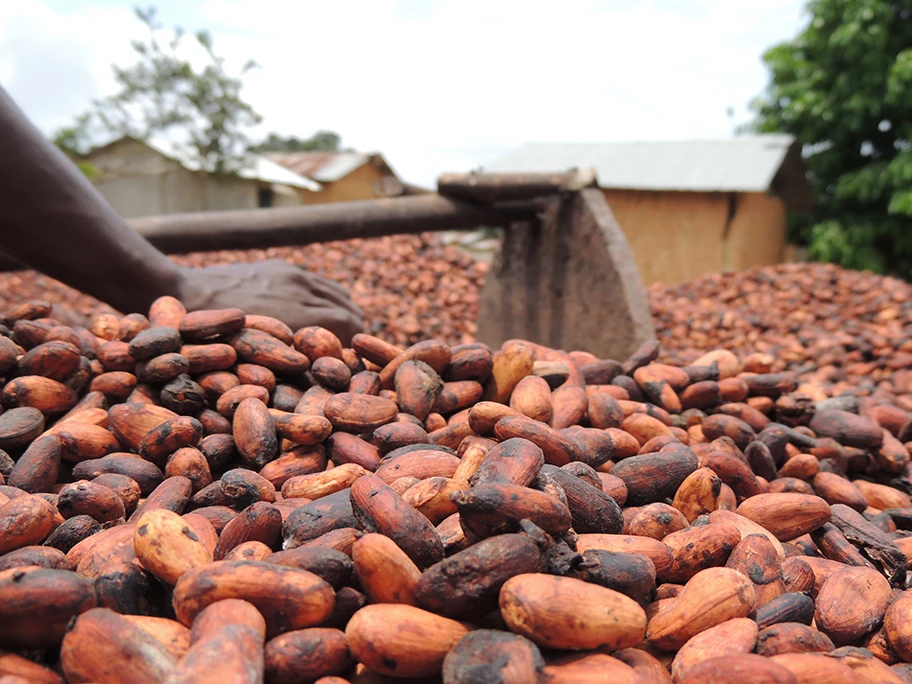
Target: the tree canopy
(321, 141)
(75, 141)
(843, 87)
(163, 92)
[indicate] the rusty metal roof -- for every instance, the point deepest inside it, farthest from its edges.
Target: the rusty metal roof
(321, 166)
(755, 163)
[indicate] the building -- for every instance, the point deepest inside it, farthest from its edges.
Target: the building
(345, 176)
(154, 177)
(689, 207)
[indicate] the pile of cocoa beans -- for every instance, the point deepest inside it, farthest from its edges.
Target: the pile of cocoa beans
(410, 287)
(817, 320)
(213, 497)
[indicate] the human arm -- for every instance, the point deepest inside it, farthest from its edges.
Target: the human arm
(53, 219)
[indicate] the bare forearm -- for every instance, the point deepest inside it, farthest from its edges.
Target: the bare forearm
(53, 219)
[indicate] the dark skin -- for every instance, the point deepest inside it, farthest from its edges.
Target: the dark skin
(54, 220)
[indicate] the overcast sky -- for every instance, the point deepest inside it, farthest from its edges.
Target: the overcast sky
(436, 85)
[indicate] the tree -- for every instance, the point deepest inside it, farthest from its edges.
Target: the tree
(164, 93)
(321, 141)
(75, 141)
(843, 87)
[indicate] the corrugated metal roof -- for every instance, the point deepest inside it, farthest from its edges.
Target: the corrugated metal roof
(261, 169)
(270, 172)
(740, 164)
(323, 166)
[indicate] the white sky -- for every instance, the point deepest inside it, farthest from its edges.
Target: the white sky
(436, 85)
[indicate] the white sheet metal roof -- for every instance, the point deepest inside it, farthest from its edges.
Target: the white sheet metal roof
(261, 169)
(340, 165)
(270, 172)
(740, 164)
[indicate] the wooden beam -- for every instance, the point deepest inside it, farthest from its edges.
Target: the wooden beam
(302, 225)
(494, 187)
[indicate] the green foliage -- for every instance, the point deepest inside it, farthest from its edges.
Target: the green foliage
(321, 141)
(843, 87)
(75, 141)
(163, 93)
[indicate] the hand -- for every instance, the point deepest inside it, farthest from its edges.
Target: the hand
(273, 288)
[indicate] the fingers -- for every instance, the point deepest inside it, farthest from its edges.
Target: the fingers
(354, 309)
(342, 324)
(326, 283)
(317, 281)
(331, 291)
(343, 301)
(280, 289)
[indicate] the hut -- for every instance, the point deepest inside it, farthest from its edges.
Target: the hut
(345, 176)
(689, 207)
(154, 176)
